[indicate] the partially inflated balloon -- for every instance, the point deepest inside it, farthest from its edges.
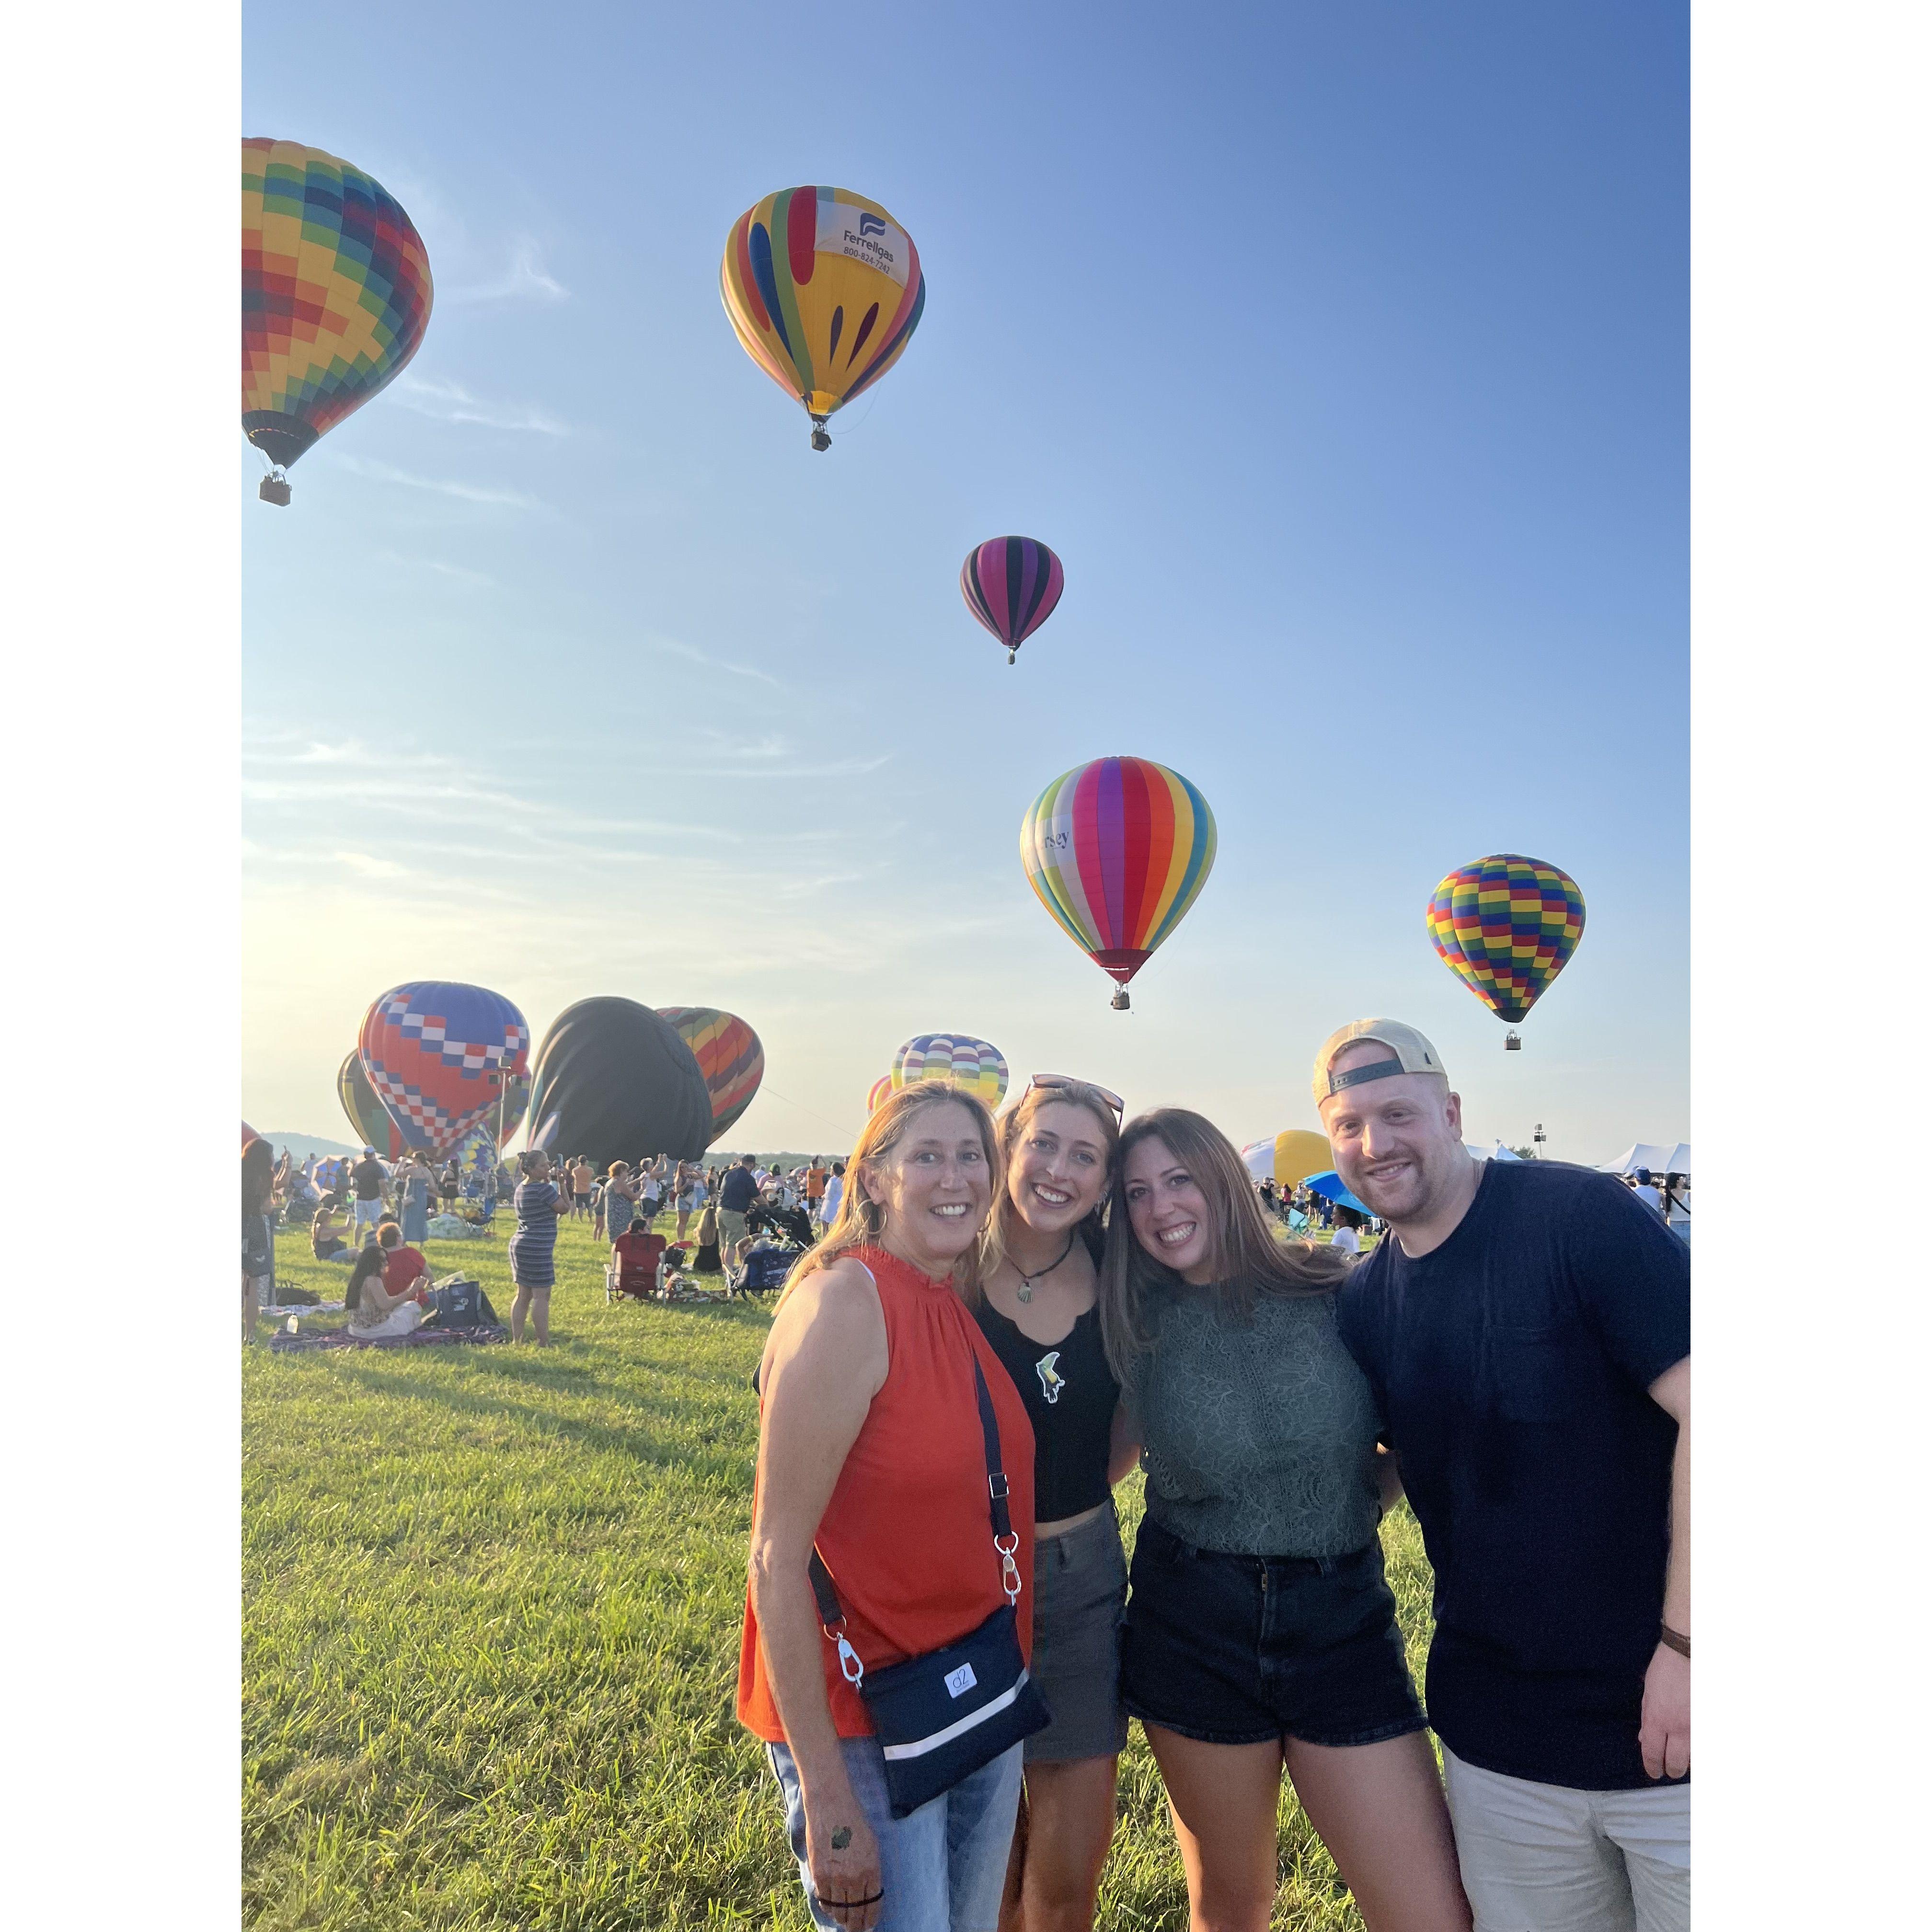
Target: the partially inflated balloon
(1117, 850)
(1011, 584)
(1506, 926)
(614, 1081)
(824, 289)
(729, 1055)
(366, 1113)
(436, 1052)
(974, 1066)
(881, 1088)
(1290, 1158)
(335, 296)
(475, 1159)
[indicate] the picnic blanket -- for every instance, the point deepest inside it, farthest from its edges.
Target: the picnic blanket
(301, 1308)
(454, 1228)
(417, 1338)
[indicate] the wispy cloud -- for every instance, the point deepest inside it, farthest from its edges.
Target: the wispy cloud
(478, 579)
(450, 402)
(466, 493)
(675, 649)
(371, 867)
(524, 279)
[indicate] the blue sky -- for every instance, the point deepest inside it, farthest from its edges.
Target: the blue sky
(1342, 354)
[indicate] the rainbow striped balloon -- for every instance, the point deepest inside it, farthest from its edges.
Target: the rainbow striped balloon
(729, 1054)
(335, 294)
(823, 288)
(1117, 850)
(880, 1088)
(1506, 926)
(1011, 584)
(974, 1066)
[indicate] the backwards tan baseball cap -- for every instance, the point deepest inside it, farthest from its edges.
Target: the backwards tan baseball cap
(1408, 1052)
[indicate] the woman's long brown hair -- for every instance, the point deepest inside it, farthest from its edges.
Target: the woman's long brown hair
(1247, 1260)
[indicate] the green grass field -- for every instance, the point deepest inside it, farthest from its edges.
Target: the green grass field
(492, 1599)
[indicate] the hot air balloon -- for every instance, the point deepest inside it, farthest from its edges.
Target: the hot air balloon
(1011, 584)
(1289, 1158)
(335, 296)
(435, 1052)
(366, 1113)
(824, 289)
(614, 1080)
(728, 1054)
(1117, 850)
(973, 1065)
(475, 1158)
(880, 1088)
(1506, 926)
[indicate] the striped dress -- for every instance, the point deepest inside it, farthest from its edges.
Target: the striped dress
(533, 1246)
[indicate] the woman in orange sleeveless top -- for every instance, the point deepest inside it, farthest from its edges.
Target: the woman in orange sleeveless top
(871, 1446)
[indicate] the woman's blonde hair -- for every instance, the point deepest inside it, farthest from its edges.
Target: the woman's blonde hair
(1247, 1260)
(860, 1220)
(1011, 1124)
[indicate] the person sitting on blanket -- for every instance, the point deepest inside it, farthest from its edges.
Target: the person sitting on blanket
(404, 1271)
(375, 1314)
(636, 1253)
(326, 1231)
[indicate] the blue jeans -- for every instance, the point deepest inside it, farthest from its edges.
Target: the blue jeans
(944, 1867)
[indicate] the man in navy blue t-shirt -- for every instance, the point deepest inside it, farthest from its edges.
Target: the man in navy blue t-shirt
(1525, 1328)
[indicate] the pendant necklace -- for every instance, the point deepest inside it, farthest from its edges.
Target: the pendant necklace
(1040, 1274)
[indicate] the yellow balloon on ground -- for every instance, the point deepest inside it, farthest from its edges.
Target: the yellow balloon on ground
(1290, 1158)
(824, 289)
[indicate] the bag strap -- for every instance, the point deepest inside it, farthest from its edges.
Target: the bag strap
(1006, 1539)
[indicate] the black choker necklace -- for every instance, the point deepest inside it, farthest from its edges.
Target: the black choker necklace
(1040, 1274)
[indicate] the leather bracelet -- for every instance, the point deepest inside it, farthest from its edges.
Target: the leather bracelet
(1676, 1640)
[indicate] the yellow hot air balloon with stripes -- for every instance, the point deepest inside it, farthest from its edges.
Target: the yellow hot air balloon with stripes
(824, 289)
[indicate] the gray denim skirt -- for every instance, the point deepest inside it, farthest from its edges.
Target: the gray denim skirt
(1080, 1595)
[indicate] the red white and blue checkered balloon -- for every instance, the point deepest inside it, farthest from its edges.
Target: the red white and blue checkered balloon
(437, 1053)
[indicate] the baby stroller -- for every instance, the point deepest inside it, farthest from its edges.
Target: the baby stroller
(764, 1268)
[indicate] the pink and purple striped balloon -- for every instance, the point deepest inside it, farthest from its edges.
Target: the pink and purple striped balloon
(1011, 584)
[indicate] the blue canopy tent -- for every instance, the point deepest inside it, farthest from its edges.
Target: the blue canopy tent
(1329, 1186)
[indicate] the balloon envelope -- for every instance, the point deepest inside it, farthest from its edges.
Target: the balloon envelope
(1011, 584)
(614, 1081)
(973, 1065)
(436, 1052)
(1331, 1186)
(1506, 926)
(880, 1088)
(1117, 850)
(823, 289)
(730, 1056)
(366, 1113)
(1290, 1158)
(335, 293)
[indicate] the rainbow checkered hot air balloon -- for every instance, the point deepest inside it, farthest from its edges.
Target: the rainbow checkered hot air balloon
(1117, 850)
(824, 290)
(975, 1066)
(1506, 926)
(1011, 584)
(335, 296)
(729, 1055)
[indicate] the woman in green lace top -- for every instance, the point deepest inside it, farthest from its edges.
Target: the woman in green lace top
(1260, 1634)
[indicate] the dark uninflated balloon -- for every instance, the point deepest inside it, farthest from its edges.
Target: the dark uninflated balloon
(614, 1080)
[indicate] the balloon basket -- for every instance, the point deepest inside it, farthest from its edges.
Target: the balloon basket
(275, 490)
(820, 439)
(1013, 657)
(1513, 1044)
(1119, 1002)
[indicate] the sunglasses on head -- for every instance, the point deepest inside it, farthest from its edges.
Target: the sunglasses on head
(1057, 1082)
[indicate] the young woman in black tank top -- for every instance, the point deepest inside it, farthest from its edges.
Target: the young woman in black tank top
(1039, 1308)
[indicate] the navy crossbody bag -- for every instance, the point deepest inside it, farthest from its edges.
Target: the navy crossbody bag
(940, 1716)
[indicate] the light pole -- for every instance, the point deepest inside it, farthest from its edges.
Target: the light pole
(1537, 1138)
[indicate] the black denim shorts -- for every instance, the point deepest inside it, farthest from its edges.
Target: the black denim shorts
(1237, 1650)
